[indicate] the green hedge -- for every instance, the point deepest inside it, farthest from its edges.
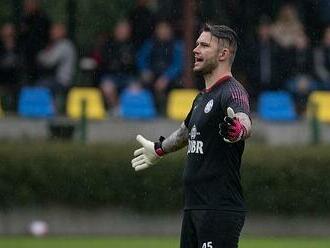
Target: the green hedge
(287, 180)
(277, 180)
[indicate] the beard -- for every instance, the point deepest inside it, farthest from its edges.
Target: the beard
(207, 67)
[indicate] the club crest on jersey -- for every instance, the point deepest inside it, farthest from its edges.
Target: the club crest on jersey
(208, 106)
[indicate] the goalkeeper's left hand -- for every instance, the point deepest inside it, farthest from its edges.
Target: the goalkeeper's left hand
(231, 129)
(145, 156)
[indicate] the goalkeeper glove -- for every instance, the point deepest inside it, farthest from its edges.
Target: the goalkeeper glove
(148, 155)
(231, 129)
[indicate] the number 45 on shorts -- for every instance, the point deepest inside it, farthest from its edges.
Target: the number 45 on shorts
(207, 245)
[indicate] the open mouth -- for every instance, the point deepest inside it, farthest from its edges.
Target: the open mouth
(198, 60)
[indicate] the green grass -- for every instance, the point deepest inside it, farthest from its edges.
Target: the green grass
(152, 242)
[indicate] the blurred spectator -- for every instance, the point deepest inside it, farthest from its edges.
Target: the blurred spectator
(322, 60)
(98, 47)
(302, 56)
(301, 82)
(91, 65)
(9, 66)
(142, 21)
(57, 61)
(286, 30)
(160, 62)
(9, 59)
(287, 26)
(264, 55)
(324, 11)
(300, 87)
(118, 64)
(33, 36)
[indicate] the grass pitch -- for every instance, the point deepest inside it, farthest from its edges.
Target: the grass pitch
(151, 242)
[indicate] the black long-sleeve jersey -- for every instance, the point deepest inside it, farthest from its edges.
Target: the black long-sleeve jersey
(212, 172)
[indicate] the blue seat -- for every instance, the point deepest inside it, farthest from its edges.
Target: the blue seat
(36, 102)
(276, 106)
(137, 104)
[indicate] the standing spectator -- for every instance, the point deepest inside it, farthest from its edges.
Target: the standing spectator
(322, 60)
(9, 65)
(160, 62)
(264, 55)
(57, 61)
(34, 35)
(118, 61)
(142, 21)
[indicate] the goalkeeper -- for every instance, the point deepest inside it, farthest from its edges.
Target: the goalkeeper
(214, 130)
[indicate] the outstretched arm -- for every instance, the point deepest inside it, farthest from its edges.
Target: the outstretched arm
(177, 140)
(151, 152)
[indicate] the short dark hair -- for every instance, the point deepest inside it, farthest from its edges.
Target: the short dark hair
(224, 33)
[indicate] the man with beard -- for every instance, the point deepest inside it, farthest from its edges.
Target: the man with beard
(214, 130)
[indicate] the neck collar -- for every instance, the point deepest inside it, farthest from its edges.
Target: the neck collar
(217, 83)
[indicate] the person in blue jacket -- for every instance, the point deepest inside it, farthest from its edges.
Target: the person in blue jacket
(160, 61)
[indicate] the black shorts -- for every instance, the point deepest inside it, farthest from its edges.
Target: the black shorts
(211, 229)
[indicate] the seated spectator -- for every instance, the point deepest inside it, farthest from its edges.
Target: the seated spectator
(9, 59)
(301, 82)
(9, 65)
(285, 30)
(160, 62)
(91, 61)
(287, 26)
(142, 20)
(324, 12)
(97, 53)
(57, 62)
(322, 60)
(302, 56)
(33, 33)
(300, 87)
(117, 64)
(264, 60)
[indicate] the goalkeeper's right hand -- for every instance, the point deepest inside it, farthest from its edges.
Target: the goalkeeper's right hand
(147, 155)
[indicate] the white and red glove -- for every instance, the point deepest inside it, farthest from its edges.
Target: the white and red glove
(148, 155)
(231, 129)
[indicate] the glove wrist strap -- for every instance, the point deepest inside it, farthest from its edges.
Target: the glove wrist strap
(158, 147)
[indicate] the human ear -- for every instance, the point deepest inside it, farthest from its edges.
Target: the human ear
(223, 54)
